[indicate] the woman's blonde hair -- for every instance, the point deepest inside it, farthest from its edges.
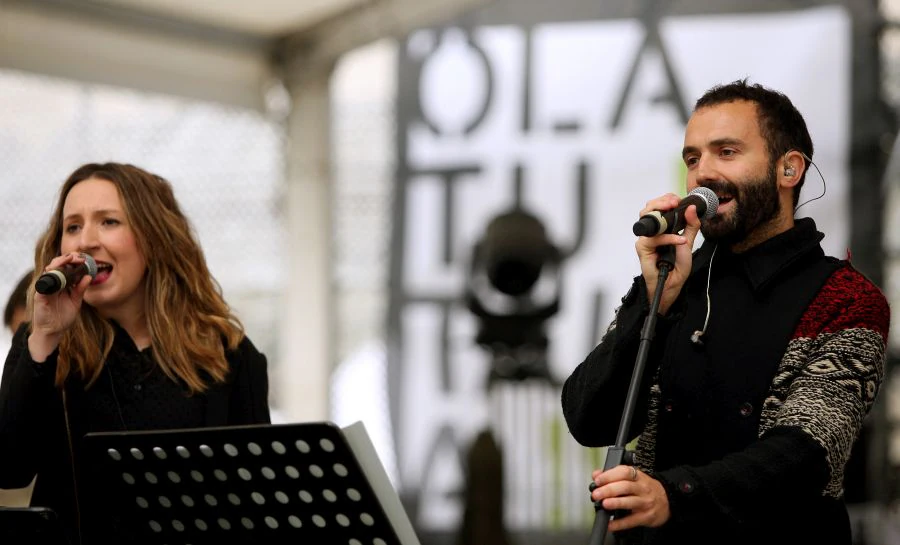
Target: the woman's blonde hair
(189, 322)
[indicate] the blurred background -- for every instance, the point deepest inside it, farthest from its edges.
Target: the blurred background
(348, 165)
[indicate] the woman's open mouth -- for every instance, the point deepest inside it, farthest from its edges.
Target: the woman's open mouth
(103, 272)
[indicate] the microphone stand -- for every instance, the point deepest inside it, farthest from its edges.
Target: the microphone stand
(616, 454)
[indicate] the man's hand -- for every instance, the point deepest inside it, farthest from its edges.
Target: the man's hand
(628, 488)
(683, 243)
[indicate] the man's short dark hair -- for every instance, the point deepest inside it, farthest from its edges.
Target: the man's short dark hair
(18, 298)
(780, 123)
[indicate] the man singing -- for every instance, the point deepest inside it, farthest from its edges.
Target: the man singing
(766, 358)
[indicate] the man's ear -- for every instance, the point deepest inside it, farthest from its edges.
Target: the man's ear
(791, 170)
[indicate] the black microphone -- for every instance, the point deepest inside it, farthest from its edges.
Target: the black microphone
(672, 221)
(69, 274)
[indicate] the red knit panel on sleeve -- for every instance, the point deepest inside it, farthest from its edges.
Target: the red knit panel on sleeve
(847, 300)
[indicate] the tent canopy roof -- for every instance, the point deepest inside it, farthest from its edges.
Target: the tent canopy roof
(266, 18)
(225, 51)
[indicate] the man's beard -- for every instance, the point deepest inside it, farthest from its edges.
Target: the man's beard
(755, 203)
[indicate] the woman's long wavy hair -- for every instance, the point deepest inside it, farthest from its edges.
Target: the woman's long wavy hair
(189, 322)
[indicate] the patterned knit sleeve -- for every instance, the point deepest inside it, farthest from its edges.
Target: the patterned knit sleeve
(823, 389)
(833, 369)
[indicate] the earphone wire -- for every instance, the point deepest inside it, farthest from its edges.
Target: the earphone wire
(824, 185)
(708, 283)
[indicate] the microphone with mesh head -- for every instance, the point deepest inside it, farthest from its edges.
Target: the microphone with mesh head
(672, 221)
(67, 275)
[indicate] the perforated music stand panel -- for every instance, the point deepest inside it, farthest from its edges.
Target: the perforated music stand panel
(272, 484)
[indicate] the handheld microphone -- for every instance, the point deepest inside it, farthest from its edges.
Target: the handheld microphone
(672, 221)
(69, 274)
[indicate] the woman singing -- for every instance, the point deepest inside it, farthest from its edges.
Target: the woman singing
(148, 343)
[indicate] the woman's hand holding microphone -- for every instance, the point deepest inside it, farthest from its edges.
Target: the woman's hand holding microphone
(57, 301)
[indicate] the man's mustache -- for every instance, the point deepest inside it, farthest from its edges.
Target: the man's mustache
(722, 187)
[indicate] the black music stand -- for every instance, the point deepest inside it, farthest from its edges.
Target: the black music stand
(271, 484)
(31, 526)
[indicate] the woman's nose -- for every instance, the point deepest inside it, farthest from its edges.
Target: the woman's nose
(88, 238)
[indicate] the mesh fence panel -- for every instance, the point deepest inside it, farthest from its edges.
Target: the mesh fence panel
(363, 182)
(363, 128)
(225, 164)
